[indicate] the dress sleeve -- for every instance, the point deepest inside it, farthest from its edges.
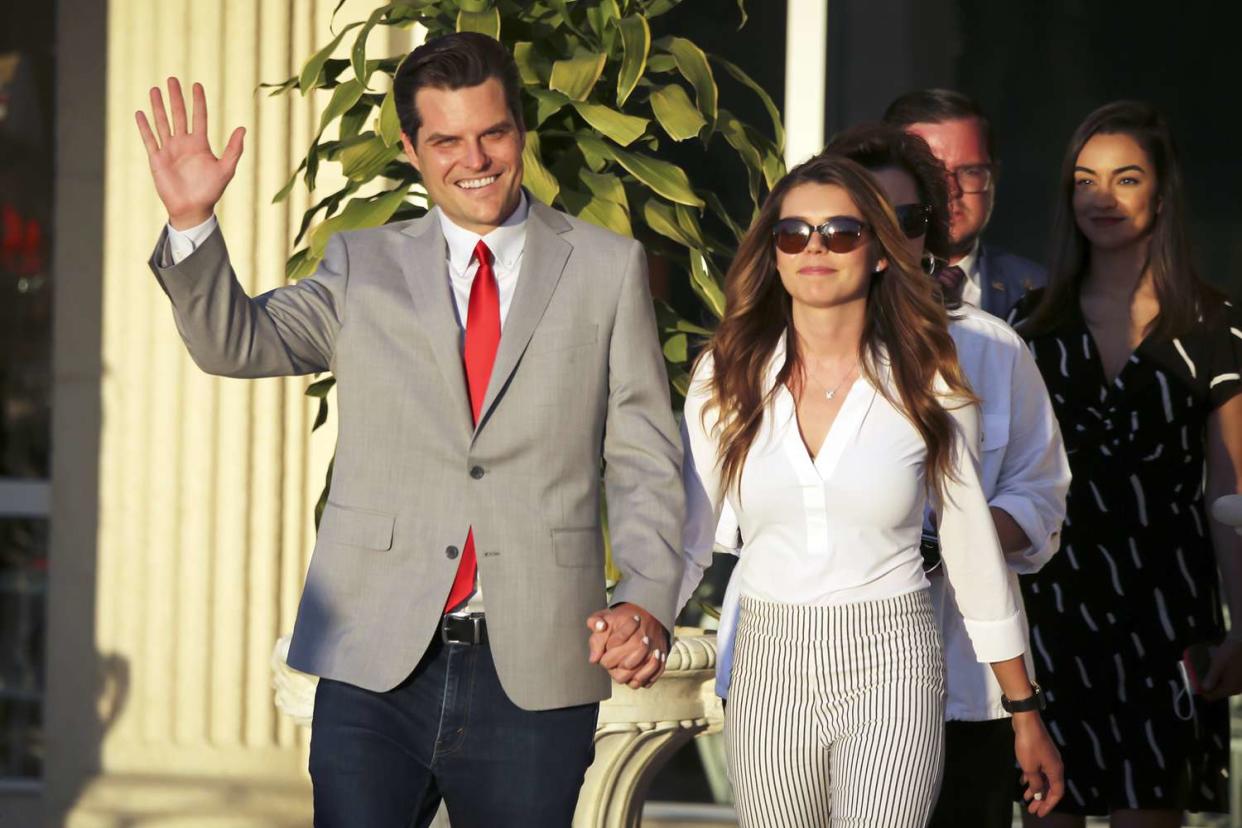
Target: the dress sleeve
(973, 560)
(701, 478)
(1226, 369)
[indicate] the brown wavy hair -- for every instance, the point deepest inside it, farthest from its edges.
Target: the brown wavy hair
(1182, 295)
(877, 145)
(906, 328)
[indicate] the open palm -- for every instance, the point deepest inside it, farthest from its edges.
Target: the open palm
(188, 177)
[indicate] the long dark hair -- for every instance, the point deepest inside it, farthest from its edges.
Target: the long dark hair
(906, 327)
(876, 146)
(1183, 297)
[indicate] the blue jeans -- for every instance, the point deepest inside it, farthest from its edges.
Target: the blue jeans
(385, 760)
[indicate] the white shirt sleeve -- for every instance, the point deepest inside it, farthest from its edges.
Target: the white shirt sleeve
(972, 555)
(701, 478)
(181, 243)
(1034, 474)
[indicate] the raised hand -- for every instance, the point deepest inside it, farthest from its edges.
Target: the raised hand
(188, 177)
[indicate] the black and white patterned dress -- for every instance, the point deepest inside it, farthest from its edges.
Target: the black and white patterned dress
(1135, 582)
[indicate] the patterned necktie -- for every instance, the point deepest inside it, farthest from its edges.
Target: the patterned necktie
(952, 280)
(482, 340)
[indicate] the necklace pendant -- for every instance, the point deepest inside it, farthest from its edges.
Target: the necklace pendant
(831, 394)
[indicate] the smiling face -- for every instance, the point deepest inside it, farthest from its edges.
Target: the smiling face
(1115, 191)
(817, 277)
(469, 152)
(960, 144)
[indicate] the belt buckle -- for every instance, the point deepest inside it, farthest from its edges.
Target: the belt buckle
(450, 621)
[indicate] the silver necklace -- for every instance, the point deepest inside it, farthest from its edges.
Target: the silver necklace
(830, 393)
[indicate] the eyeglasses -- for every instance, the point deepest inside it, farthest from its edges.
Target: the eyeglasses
(839, 234)
(975, 178)
(913, 219)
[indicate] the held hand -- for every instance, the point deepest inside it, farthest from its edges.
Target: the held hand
(629, 643)
(1042, 770)
(1224, 677)
(188, 177)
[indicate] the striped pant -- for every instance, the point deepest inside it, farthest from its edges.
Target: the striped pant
(836, 714)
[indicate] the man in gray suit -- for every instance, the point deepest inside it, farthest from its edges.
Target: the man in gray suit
(490, 357)
(960, 135)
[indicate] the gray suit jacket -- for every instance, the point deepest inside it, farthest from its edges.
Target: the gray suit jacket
(579, 379)
(1005, 278)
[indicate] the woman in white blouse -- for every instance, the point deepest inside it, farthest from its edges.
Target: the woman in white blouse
(827, 408)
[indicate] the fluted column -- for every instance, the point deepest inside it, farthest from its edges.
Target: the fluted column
(206, 485)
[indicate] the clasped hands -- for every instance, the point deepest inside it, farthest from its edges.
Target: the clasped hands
(629, 643)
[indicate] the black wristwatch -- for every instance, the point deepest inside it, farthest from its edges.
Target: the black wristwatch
(1035, 701)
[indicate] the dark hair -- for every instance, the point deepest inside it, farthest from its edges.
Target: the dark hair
(935, 106)
(454, 61)
(906, 328)
(875, 146)
(1183, 297)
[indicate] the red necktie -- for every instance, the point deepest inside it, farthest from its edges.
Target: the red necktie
(482, 340)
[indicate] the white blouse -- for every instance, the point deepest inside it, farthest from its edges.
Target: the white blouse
(845, 526)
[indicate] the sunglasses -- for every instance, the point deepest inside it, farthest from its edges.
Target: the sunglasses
(913, 219)
(839, 234)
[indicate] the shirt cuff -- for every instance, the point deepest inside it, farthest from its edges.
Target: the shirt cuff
(1043, 544)
(181, 243)
(997, 640)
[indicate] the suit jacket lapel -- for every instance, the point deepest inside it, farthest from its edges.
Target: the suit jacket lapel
(425, 265)
(543, 261)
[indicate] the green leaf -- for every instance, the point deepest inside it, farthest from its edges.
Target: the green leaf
(661, 63)
(576, 76)
(735, 133)
(353, 121)
(309, 75)
(389, 127)
(677, 348)
(300, 265)
(717, 207)
(598, 211)
(537, 178)
(778, 129)
(606, 186)
(547, 104)
(666, 179)
(343, 97)
(741, 7)
(692, 64)
(474, 6)
(358, 55)
(320, 388)
(288, 188)
(365, 160)
(706, 283)
(635, 44)
(621, 128)
(358, 213)
(533, 67)
(483, 22)
(675, 112)
(661, 218)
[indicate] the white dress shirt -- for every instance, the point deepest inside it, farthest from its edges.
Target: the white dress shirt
(845, 526)
(507, 243)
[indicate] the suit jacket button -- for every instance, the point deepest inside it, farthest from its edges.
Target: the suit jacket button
(476, 472)
(451, 552)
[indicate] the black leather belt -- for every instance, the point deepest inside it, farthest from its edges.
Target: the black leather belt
(463, 629)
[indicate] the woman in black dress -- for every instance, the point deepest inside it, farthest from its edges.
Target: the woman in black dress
(1143, 363)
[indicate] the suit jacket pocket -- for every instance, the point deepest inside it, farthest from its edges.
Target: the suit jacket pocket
(578, 547)
(356, 527)
(561, 338)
